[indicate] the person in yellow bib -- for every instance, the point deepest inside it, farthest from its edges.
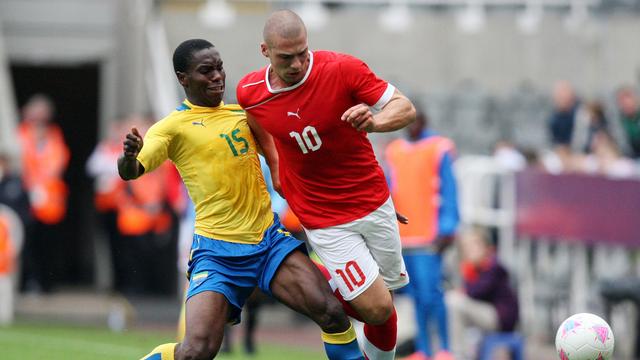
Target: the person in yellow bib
(238, 243)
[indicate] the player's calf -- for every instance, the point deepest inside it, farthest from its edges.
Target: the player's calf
(299, 285)
(326, 311)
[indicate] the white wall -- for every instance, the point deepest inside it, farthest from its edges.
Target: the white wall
(435, 55)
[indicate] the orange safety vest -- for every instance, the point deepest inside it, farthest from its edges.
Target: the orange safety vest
(6, 248)
(108, 190)
(415, 186)
(44, 163)
(141, 205)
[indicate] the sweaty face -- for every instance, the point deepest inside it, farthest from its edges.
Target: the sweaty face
(204, 80)
(289, 58)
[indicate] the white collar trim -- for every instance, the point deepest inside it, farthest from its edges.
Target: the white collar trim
(294, 86)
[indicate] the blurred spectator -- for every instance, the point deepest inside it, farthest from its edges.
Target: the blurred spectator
(533, 160)
(588, 122)
(11, 238)
(558, 160)
(605, 159)
(508, 156)
(107, 187)
(12, 191)
(629, 107)
(45, 158)
(487, 300)
(563, 118)
(423, 188)
(14, 216)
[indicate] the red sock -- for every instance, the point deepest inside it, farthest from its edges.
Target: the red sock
(383, 336)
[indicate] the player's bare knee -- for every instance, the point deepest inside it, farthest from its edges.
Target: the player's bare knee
(377, 312)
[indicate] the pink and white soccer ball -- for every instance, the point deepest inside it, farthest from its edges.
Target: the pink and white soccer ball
(584, 337)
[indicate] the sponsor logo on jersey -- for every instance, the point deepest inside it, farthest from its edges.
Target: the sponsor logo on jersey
(295, 114)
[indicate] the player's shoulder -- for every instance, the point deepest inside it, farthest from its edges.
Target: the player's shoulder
(441, 139)
(174, 118)
(253, 76)
(180, 112)
(232, 107)
(251, 87)
(326, 56)
(252, 81)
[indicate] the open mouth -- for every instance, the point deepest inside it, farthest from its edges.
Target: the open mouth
(216, 89)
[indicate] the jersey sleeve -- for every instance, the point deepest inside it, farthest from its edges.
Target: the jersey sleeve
(364, 84)
(240, 94)
(156, 146)
(245, 89)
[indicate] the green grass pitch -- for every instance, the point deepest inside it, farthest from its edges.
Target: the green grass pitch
(57, 342)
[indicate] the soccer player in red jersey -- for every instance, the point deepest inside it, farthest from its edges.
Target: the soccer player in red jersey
(311, 111)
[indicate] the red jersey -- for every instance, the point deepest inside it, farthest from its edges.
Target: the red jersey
(328, 171)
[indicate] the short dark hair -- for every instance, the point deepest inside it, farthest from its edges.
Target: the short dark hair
(184, 53)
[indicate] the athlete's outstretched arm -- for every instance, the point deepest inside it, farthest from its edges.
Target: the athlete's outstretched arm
(265, 142)
(129, 167)
(396, 114)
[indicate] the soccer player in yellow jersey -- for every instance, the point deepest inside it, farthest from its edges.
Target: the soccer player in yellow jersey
(238, 242)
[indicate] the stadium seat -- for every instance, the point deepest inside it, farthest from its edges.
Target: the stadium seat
(513, 341)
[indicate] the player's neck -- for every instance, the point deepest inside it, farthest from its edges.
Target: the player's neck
(275, 81)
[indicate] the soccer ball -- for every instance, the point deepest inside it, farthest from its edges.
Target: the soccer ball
(584, 337)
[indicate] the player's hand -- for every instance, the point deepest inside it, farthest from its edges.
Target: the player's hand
(401, 218)
(360, 117)
(132, 144)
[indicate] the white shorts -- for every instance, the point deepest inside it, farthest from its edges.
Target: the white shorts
(357, 252)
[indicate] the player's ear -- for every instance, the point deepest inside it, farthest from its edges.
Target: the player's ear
(264, 49)
(182, 78)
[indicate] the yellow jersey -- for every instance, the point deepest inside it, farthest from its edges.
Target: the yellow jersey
(216, 155)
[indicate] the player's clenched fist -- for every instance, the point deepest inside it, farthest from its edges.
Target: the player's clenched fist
(360, 117)
(132, 144)
(128, 166)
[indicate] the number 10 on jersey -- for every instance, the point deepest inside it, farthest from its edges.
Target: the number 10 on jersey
(352, 275)
(309, 140)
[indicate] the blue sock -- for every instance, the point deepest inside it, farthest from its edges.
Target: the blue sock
(342, 346)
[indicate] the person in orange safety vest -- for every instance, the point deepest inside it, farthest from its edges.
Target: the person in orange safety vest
(423, 189)
(107, 189)
(45, 157)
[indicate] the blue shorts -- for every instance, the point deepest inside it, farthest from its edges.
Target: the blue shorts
(234, 270)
